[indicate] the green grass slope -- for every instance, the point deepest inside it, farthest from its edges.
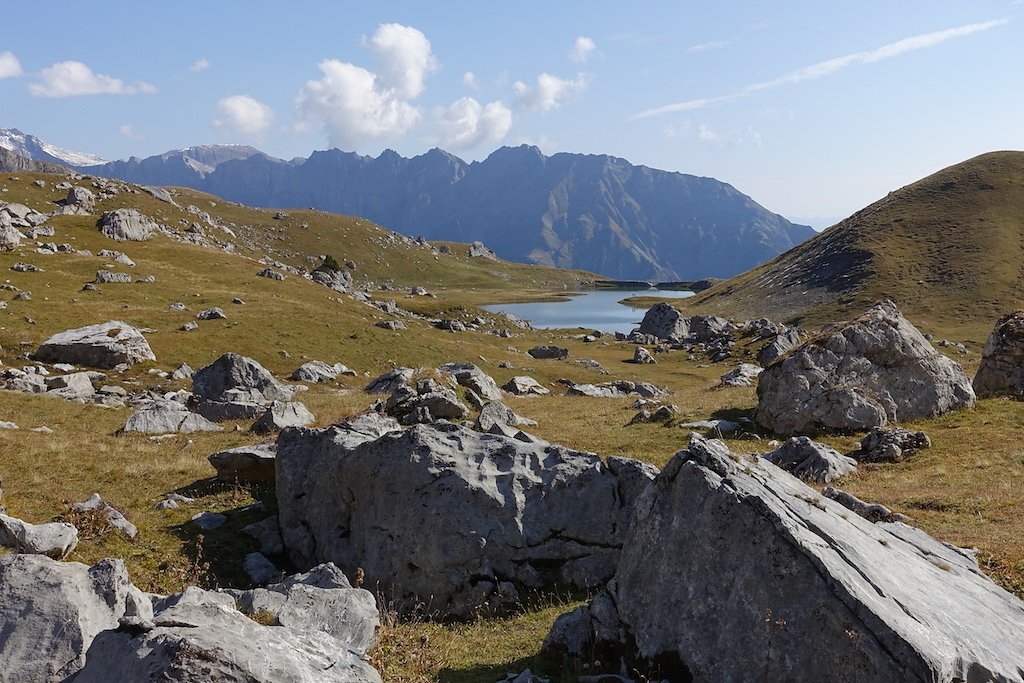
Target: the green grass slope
(949, 249)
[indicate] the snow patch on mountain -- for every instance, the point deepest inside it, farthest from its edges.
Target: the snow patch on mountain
(32, 147)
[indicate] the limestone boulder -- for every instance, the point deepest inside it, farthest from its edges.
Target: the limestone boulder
(782, 342)
(523, 385)
(1001, 371)
(472, 377)
(127, 225)
(282, 414)
(665, 322)
(549, 352)
(235, 387)
(891, 444)
(811, 460)
(481, 517)
(734, 570)
(318, 371)
(200, 636)
(164, 417)
(51, 611)
(743, 375)
(105, 345)
(53, 539)
(254, 464)
(861, 374)
(338, 280)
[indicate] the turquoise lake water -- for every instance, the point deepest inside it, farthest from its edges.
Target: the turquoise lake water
(596, 310)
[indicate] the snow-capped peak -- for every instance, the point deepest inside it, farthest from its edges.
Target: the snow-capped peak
(32, 147)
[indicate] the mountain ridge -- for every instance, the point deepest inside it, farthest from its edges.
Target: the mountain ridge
(595, 212)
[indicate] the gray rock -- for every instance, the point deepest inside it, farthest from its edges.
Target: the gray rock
(282, 414)
(811, 460)
(189, 326)
(183, 371)
(665, 322)
(232, 373)
(267, 533)
(10, 238)
(319, 371)
(472, 377)
(390, 381)
(338, 280)
(891, 444)
(53, 539)
(107, 277)
(873, 512)
(616, 389)
(215, 313)
(260, 570)
(549, 352)
(427, 402)
(164, 417)
(523, 385)
(478, 512)
(643, 357)
(321, 599)
(71, 386)
(744, 375)
(861, 374)
(105, 345)
(158, 193)
(126, 224)
(271, 274)
(717, 427)
(1001, 371)
(246, 463)
(50, 612)
(497, 418)
(80, 198)
(113, 516)
(788, 339)
(734, 570)
(208, 521)
(393, 325)
(199, 636)
(478, 250)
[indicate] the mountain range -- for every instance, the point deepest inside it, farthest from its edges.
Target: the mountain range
(591, 212)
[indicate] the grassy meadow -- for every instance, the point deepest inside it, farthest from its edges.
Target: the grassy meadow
(965, 490)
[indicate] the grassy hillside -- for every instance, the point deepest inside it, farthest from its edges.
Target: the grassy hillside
(949, 249)
(963, 489)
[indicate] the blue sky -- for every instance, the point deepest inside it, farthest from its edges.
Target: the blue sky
(814, 109)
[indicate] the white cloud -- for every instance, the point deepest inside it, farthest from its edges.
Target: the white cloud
(712, 45)
(830, 66)
(582, 50)
(706, 134)
(201, 64)
(70, 79)
(9, 65)
(469, 80)
(550, 92)
(128, 130)
(244, 115)
(467, 124)
(355, 104)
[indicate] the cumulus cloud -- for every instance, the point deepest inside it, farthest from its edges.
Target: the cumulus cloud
(128, 130)
(244, 115)
(201, 64)
(71, 79)
(582, 50)
(355, 104)
(830, 66)
(9, 65)
(550, 92)
(469, 80)
(466, 123)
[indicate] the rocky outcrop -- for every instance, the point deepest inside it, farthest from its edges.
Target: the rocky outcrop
(318, 371)
(549, 352)
(201, 636)
(50, 612)
(250, 464)
(474, 379)
(481, 517)
(1001, 371)
(126, 225)
(735, 570)
(858, 375)
(616, 389)
(426, 402)
(891, 445)
(524, 385)
(282, 414)
(743, 375)
(811, 460)
(391, 380)
(235, 387)
(478, 250)
(105, 345)
(665, 322)
(164, 417)
(53, 539)
(338, 280)
(785, 340)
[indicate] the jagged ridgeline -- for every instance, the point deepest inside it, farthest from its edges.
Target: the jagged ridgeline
(592, 212)
(948, 248)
